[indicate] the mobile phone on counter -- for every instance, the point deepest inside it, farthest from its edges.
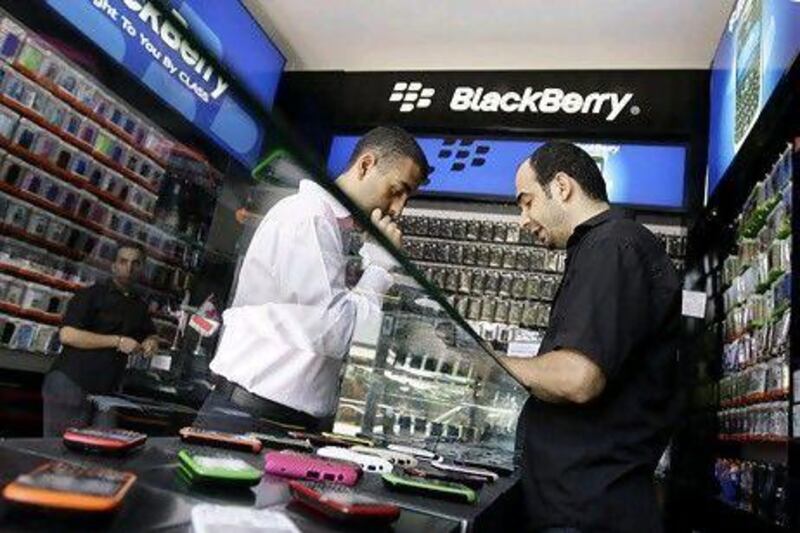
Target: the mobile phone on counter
(471, 471)
(354, 441)
(427, 472)
(64, 486)
(220, 439)
(320, 440)
(430, 487)
(309, 467)
(198, 468)
(419, 453)
(102, 440)
(395, 458)
(275, 442)
(368, 463)
(344, 506)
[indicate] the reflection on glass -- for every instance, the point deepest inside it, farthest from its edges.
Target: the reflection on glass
(86, 174)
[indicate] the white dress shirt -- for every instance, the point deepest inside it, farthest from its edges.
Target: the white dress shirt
(289, 327)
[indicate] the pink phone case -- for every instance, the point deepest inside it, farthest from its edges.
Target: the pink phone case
(311, 468)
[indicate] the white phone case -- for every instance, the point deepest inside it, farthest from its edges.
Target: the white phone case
(368, 463)
(396, 458)
(415, 452)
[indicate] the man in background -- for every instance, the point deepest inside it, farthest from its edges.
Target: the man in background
(103, 324)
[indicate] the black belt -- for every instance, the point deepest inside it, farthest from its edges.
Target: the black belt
(268, 410)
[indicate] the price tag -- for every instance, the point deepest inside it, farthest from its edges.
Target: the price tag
(523, 348)
(161, 362)
(694, 304)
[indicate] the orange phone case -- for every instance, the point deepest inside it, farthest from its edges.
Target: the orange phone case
(72, 501)
(220, 439)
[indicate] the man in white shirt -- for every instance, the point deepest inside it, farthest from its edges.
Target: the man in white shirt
(288, 330)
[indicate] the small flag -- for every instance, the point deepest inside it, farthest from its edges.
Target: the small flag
(208, 309)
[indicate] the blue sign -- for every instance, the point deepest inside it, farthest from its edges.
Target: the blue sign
(636, 174)
(759, 44)
(138, 35)
(230, 33)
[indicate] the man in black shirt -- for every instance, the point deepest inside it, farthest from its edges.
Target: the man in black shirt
(604, 385)
(103, 324)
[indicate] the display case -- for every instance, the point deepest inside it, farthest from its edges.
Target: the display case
(416, 372)
(429, 381)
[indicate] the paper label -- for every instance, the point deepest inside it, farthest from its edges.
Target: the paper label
(694, 304)
(161, 362)
(523, 348)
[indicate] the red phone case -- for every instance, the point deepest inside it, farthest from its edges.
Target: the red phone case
(312, 468)
(93, 439)
(343, 511)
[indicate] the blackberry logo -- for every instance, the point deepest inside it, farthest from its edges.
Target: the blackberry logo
(412, 95)
(547, 101)
(460, 154)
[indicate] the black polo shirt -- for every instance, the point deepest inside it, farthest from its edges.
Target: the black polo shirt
(104, 309)
(591, 466)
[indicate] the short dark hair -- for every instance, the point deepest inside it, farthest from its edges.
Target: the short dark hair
(554, 157)
(391, 142)
(130, 246)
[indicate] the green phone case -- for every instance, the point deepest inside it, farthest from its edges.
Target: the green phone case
(196, 472)
(185, 475)
(455, 491)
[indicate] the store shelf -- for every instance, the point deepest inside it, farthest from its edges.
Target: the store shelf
(422, 263)
(51, 319)
(518, 243)
(42, 279)
(758, 440)
(42, 203)
(427, 375)
(766, 397)
(25, 361)
(69, 253)
(509, 299)
(105, 266)
(757, 522)
(437, 240)
(72, 179)
(87, 112)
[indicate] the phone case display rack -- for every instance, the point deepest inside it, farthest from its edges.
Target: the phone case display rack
(80, 174)
(492, 271)
(743, 403)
